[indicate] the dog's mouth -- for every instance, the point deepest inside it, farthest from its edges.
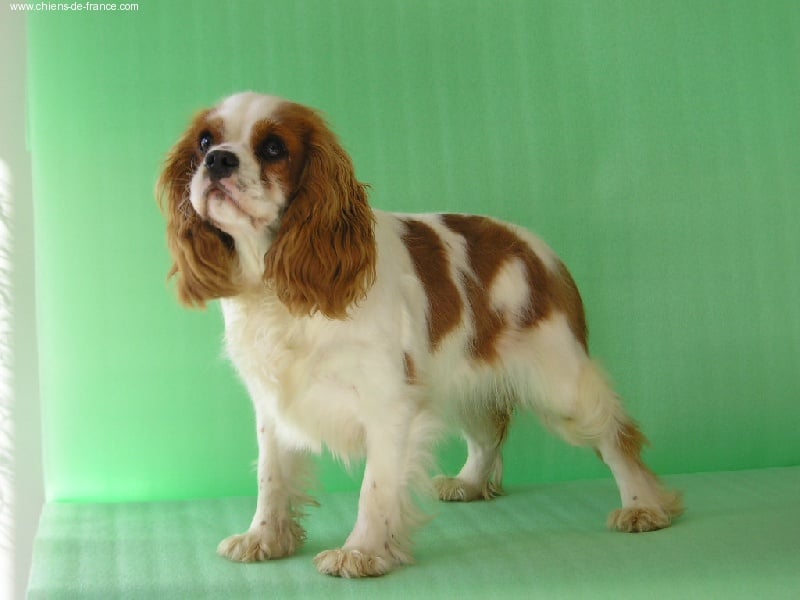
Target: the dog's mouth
(218, 191)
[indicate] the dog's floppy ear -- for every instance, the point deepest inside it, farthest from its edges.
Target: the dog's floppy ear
(323, 257)
(204, 258)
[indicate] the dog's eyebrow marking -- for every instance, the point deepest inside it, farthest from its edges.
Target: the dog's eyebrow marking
(432, 265)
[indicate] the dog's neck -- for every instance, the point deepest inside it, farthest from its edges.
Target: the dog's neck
(250, 250)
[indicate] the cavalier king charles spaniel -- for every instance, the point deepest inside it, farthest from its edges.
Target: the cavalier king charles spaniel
(364, 331)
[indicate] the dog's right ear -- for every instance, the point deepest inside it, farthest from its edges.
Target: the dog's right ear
(204, 257)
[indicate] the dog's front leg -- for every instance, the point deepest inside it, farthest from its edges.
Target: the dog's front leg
(275, 531)
(380, 540)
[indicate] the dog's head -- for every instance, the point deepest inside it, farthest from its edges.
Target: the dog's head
(259, 192)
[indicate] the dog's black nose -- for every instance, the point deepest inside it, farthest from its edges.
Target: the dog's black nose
(221, 163)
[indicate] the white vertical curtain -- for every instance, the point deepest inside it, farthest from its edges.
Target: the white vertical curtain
(6, 389)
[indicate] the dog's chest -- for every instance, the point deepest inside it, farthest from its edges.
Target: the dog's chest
(263, 341)
(293, 377)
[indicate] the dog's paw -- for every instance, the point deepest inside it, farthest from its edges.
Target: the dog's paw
(352, 563)
(639, 520)
(453, 489)
(262, 544)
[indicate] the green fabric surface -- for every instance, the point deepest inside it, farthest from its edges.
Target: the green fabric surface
(653, 144)
(739, 539)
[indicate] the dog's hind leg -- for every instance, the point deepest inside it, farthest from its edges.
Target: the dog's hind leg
(485, 428)
(575, 399)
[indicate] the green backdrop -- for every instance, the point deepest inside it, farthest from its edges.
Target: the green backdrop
(653, 144)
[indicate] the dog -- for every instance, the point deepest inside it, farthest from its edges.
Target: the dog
(365, 331)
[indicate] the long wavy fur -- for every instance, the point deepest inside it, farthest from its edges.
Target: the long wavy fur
(323, 258)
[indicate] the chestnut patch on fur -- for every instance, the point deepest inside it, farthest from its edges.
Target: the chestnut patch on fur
(286, 169)
(490, 246)
(410, 368)
(630, 441)
(432, 266)
(565, 297)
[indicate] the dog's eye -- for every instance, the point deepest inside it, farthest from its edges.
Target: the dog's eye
(206, 141)
(272, 148)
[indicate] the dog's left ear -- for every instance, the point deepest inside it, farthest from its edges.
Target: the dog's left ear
(323, 258)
